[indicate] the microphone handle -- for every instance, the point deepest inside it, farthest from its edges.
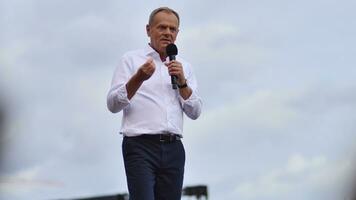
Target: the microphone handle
(173, 78)
(174, 82)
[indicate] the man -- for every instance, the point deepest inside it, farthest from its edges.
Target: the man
(152, 122)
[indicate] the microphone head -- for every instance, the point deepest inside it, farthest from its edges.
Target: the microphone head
(171, 50)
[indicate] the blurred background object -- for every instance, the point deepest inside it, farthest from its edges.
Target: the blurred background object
(2, 126)
(200, 192)
(2, 117)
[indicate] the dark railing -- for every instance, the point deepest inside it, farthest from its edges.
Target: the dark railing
(197, 191)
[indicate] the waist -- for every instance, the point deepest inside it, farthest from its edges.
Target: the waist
(164, 138)
(132, 132)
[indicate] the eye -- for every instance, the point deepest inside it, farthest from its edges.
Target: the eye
(173, 29)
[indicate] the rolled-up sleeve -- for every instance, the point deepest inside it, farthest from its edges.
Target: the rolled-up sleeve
(117, 95)
(193, 105)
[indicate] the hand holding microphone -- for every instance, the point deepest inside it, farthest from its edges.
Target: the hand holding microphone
(175, 68)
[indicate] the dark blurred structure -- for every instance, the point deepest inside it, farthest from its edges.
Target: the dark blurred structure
(2, 116)
(352, 188)
(123, 196)
(2, 119)
(114, 197)
(197, 191)
(2, 129)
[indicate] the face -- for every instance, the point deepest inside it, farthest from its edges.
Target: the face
(162, 31)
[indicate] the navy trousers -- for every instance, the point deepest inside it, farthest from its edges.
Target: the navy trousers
(154, 169)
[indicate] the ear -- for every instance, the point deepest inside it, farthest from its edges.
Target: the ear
(148, 30)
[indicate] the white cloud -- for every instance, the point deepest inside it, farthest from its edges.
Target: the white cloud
(300, 173)
(25, 182)
(262, 110)
(224, 44)
(296, 163)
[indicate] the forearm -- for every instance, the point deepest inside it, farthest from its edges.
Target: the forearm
(120, 95)
(133, 85)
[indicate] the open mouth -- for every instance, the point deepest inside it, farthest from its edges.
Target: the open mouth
(166, 41)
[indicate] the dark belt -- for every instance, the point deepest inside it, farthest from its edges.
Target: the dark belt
(164, 138)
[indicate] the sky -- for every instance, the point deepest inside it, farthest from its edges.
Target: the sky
(276, 78)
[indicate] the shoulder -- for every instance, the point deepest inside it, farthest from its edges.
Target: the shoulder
(133, 53)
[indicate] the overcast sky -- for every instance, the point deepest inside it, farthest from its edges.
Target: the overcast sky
(277, 79)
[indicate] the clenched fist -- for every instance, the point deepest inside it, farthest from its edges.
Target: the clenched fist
(146, 70)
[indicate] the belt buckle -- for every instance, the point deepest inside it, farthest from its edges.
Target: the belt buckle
(167, 137)
(172, 137)
(161, 139)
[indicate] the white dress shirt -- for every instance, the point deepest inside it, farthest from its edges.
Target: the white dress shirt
(156, 107)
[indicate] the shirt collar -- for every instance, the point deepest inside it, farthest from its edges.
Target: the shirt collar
(150, 51)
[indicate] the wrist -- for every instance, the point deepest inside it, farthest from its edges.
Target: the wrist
(182, 85)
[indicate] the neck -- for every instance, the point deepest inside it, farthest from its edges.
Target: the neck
(162, 55)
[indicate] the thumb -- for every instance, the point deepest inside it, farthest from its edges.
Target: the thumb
(149, 60)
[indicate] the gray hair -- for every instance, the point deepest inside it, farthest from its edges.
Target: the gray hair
(162, 9)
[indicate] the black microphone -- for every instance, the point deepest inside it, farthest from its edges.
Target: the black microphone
(172, 51)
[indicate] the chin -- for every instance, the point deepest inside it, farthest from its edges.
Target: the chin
(165, 44)
(163, 47)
